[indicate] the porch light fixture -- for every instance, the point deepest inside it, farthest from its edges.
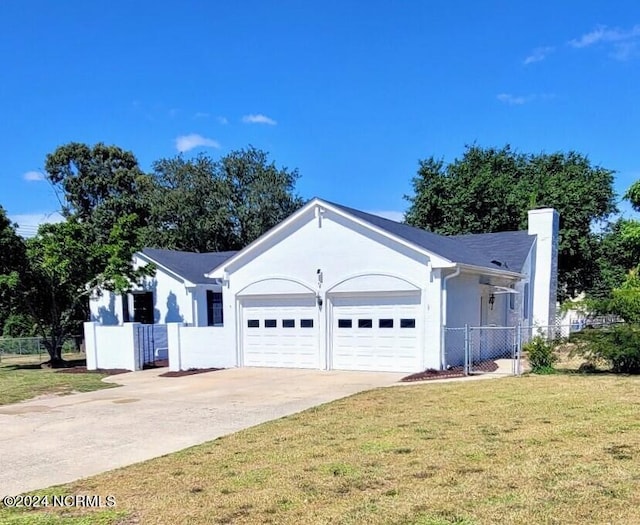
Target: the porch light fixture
(319, 301)
(492, 299)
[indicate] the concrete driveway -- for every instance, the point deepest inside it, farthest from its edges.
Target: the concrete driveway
(60, 439)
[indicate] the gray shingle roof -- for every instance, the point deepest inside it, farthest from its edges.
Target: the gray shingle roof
(511, 248)
(189, 265)
(481, 250)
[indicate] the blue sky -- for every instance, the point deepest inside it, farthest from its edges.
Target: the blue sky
(351, 93)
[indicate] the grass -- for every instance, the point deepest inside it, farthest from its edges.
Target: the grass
(21, 379)
(561, 448)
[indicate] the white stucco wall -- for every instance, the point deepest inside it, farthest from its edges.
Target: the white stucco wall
(200, 347)
(106, 309)
(463, 300)
(173, 301)
(111, 346)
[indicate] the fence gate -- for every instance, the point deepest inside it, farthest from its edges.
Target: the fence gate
(483, 349)
(493, 349)
(151, 342)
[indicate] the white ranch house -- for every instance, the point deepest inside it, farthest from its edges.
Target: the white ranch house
(331, 288)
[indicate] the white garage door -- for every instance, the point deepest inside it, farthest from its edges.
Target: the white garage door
(376, 333)
(280, 332)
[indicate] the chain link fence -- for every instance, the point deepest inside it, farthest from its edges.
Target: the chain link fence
(499, 349)
(31, 350)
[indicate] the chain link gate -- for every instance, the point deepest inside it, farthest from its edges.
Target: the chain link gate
(484, 349)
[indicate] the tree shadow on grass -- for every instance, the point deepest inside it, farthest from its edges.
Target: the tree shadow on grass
(72, 363)
(12, 368)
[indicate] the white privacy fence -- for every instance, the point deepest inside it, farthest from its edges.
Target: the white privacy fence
(200, 347)
(134, 346)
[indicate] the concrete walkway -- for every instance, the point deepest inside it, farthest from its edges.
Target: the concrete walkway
(60, 439)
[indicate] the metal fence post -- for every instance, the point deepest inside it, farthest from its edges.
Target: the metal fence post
(518, 362)
(467, 353)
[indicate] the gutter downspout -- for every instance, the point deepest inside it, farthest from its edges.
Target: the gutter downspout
(444, 313)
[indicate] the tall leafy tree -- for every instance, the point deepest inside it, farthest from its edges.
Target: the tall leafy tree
(259, 195)
(490, 190)
(100, 179)
(203, 204)
(187, 206)
(12, 262)
(101, 189)
(64, 267)
(618, 251)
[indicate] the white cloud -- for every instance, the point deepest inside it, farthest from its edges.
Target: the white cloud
(514, 100)
(201, 114)
(223, 120)
(188, 142)
(605, 34)
(393, 215)
(624, 42)
(33, 176)
(538, 55)
(258, 119)
(28, 223)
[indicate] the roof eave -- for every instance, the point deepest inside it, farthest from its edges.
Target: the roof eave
(491, 271)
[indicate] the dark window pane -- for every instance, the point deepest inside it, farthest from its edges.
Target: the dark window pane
(214, 308)
(306, 323)
(385, 323)
(344, 323)
(253, 323)
(288, 323)
(270, 323)
(407, 323)
(143, 308)
(365, 323)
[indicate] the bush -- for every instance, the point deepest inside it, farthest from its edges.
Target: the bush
(541, 355)
(617, 346)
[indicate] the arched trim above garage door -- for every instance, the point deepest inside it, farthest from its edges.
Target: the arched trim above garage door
(276, 286)
(378, 282)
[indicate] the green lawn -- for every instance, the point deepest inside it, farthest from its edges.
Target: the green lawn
(539, 449)
(21, 379)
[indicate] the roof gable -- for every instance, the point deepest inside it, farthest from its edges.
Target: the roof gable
(190, 266)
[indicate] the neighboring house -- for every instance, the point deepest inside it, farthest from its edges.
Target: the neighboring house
(336, 288)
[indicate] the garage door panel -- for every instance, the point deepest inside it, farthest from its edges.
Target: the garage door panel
(280, 332)
(376, 333)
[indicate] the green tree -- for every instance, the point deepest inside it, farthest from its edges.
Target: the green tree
(259, 194)
(490, 190)
(96, 183)
(203, 205)
(617, 253)
(187, 206)
(100, 189)
(12, 261)
(63, 270)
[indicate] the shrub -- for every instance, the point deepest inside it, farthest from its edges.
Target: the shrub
(617, 346)
(541, 355)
